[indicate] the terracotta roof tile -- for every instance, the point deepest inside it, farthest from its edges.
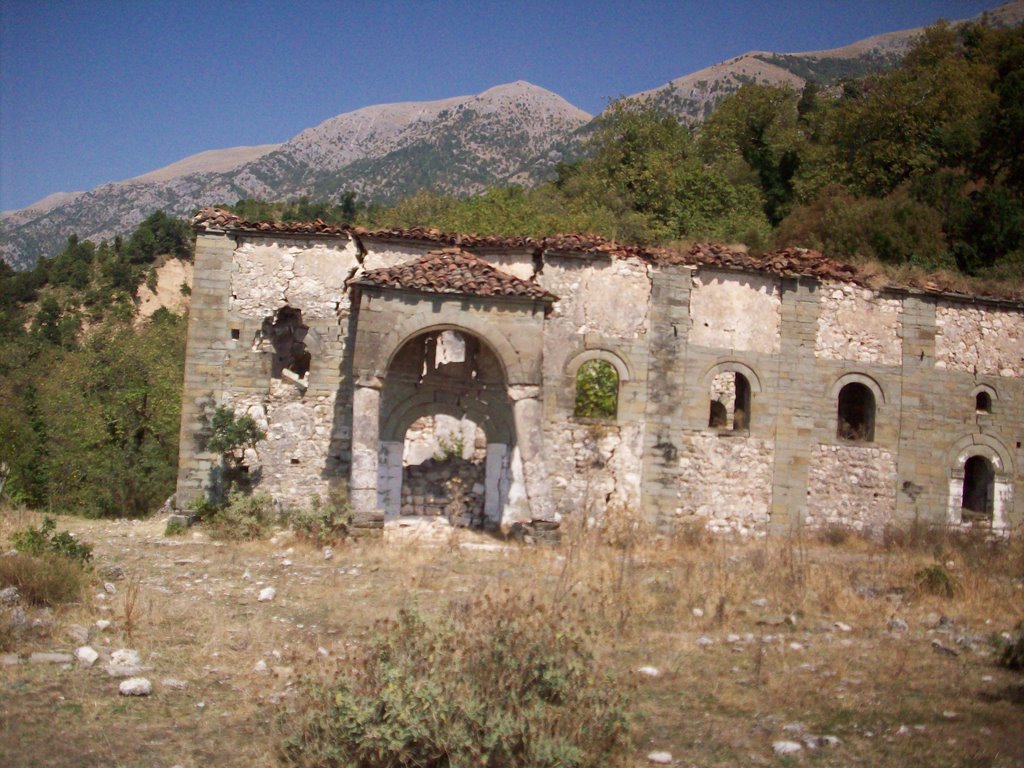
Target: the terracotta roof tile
(218, 218)
(453, 271)
(432, 235)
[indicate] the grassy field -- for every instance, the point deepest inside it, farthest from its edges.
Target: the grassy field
(753, 641)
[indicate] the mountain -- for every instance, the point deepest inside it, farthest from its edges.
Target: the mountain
(513, 133)
(510, 134)
(692, 98)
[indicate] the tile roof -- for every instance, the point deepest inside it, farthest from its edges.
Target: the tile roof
(218, 218)
(453, 271)
(432, 235)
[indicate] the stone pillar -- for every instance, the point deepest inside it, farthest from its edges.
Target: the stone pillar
(528, 414)
(496, 483)
(389, 478)
(366, 513)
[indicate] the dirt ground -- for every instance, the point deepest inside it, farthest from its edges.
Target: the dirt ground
(753, 643)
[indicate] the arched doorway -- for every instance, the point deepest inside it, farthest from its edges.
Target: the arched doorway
(977, 501)
(447, 438)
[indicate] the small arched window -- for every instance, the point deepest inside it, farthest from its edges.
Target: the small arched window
(730, 401)
(856, 417)
(983, 402)
(597, 390)
(979, 489)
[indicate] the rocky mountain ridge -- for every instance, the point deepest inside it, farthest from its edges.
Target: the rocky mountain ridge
(509, 134)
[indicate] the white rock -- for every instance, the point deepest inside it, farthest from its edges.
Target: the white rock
(267, 594)
(662, 758)
(102, 624)
(698, 612)
(786, 747)
(732, 638)
(174, 683)
(323, 651)
(796, 646)
(649, 671)
(135, 686)
(260, 666)
(109, 588)
(705, 642)
(9, 596)
(124, 662)
(842, 627)
(286, 562)
(760, 602)
(9, 660)
(86, 656)
(328, 553)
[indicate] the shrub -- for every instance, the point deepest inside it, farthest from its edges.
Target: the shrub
(493, 683)
(42, 541)
(1012, 652)
(47, 579)
(322, 522)
(935, 579)
(244, 517)
(174, 528)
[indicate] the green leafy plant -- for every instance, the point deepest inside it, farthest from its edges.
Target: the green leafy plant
(323, 521)
(230, 434)
(506, 684)
(450, 447)
(174, 528)
(597, 390)
(45, 541)
(244, 518)
(936, 580)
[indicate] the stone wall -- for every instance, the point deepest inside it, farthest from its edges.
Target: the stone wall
(733, 311)
(853, 486)
(857, 324)
(292, 461)
(595, 465)
(449, 487)
(980, 340)
(726, 481)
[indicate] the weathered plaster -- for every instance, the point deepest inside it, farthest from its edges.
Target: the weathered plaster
(736, 312)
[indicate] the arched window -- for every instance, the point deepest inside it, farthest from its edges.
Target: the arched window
(979, 489)
(856, 420)
(597, 390)
(983, 402)
(730, 401)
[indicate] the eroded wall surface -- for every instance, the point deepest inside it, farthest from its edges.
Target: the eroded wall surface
(852, 486)
(738, 312)
(980, 340)
(857, 324)
(726, 480)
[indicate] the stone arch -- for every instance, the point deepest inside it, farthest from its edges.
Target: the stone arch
(732, 407)
(733, 366)
(395, 423)
(463, 378)
(618, 362)
(985, 397)
(961, 461)
(858, 378)
(504, 350)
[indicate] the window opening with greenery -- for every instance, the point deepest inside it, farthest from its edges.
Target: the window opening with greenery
(597, 390)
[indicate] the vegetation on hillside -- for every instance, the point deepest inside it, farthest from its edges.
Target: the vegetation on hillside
(90, 401)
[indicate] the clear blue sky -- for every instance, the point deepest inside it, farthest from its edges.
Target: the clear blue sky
(99, 90)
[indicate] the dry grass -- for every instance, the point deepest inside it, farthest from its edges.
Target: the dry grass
(194, 616)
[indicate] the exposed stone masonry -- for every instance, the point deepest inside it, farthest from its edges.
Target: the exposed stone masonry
(485, 342)
(980, 340)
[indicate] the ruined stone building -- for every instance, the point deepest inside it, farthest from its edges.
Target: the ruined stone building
(442, 375)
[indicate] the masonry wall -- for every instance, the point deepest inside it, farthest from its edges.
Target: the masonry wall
(676, 335)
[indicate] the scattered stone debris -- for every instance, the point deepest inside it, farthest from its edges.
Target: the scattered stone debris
(661, 758)
(9, 596)
(267, 594)
(77, 634)
(112, 573)
(102, 624)
(174, 683)
(86, 655)
(109, 588)
(135, 686)
(785, 747)
(896, 624)
(124, 662)
(705, 642)
(9, 659)
(649, 671)
(938, 647)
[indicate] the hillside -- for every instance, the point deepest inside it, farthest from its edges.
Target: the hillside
(510, 134)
